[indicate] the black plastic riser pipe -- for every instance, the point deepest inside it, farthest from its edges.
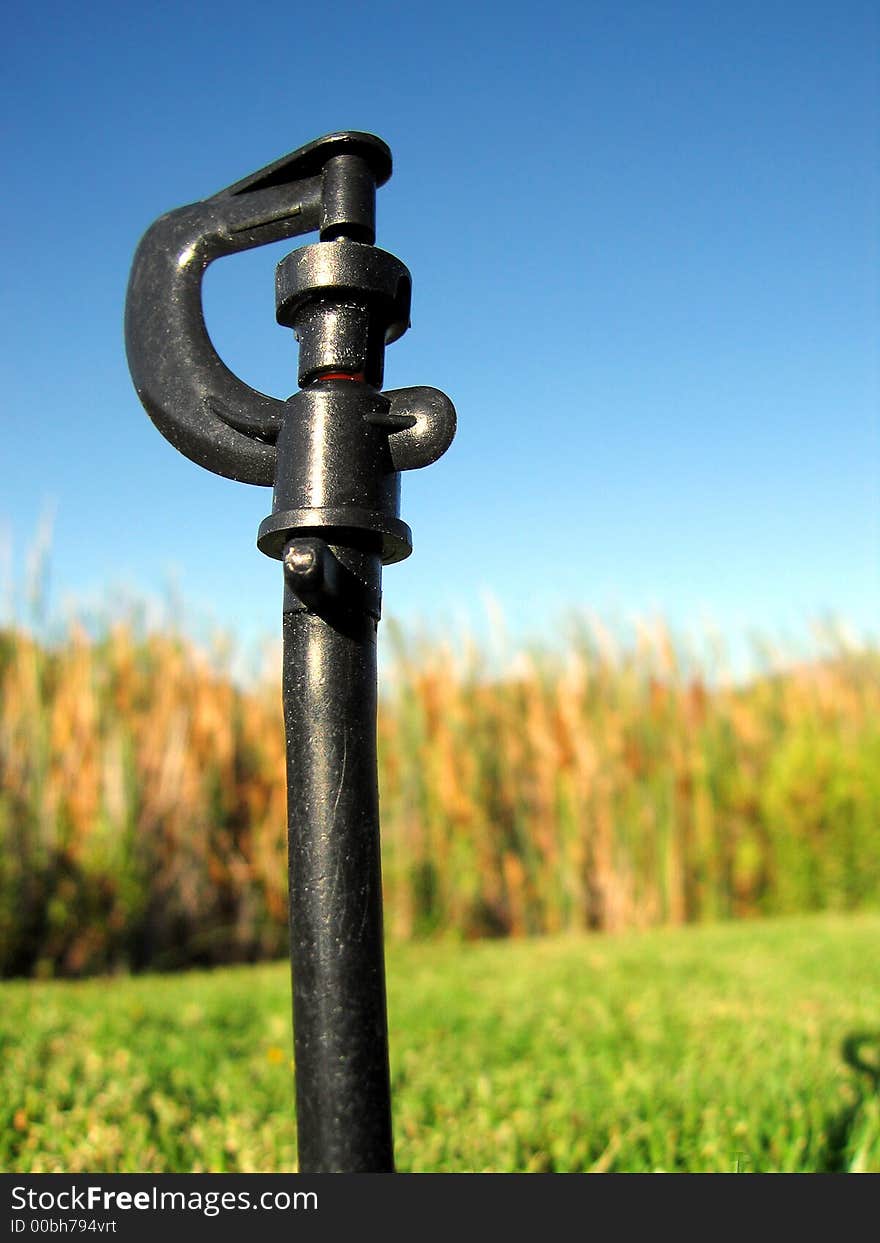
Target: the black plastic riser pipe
(337, 956)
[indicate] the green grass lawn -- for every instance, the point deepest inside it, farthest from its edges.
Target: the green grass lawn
(743, 1046)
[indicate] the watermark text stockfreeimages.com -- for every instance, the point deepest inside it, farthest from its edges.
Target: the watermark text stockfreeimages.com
(209, 1203)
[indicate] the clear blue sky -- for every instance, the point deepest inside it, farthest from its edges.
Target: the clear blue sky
(643, 239)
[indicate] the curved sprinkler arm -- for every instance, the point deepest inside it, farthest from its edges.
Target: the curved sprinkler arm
(208, 413)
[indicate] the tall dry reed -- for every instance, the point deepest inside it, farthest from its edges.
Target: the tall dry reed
(142, 800)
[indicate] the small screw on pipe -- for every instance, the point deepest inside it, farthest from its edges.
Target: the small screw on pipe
(304, 562)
